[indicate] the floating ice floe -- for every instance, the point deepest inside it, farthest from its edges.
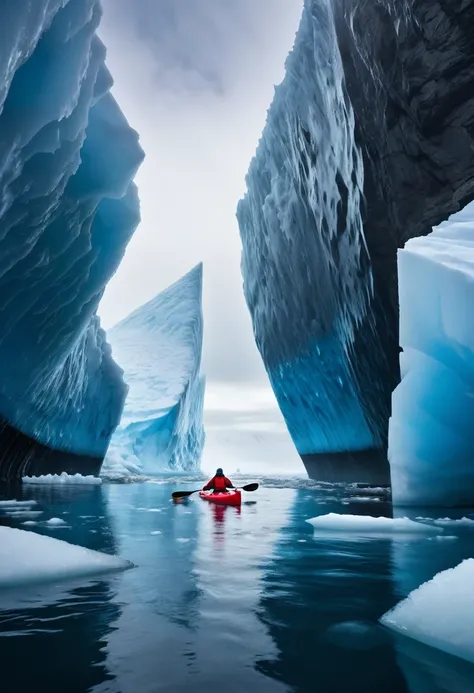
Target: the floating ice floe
(62, 479)
(368, 525)
(463, 522)
(19, 510)
(371, 490)
(440, 613)
(16, 504)
(24, 514)
(29, 558)
(55, 522)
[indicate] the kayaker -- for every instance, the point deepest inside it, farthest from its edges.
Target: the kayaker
(219, 483)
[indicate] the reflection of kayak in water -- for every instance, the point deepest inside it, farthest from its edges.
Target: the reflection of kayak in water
(229, 498)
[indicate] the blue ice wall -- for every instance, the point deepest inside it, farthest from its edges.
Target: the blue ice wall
(307, 278)
(367, 144)
(159, 346)
(67, 211)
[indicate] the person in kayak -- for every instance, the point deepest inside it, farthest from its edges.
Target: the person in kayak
(219, 483)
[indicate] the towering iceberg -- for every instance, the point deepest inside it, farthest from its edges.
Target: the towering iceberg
(67, 211)
(431, 434)
(159, 346)
(367, 143)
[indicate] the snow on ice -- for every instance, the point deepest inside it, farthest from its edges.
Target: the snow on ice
(159, 347)
(431, 434)
(440, 612)
(28, 558)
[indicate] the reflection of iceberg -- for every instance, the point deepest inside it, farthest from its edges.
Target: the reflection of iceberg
(160, 602)
(431, 430)
(429, 670)
(321, 604)
(159, 346)
(67, 211)
(70, 619)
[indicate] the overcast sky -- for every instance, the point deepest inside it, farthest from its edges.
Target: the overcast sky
(195, 78)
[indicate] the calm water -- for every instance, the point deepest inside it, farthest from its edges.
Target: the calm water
(222, 598)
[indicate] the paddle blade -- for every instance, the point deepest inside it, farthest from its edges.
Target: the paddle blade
(183, 494)
(250, 487)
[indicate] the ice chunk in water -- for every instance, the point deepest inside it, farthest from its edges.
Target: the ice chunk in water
(55, 522)
(367, 525)
(29, 558)
(440, 613)
(62, 479)
(16, 504)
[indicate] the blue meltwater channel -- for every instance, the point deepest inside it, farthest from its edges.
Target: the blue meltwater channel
(224, 599)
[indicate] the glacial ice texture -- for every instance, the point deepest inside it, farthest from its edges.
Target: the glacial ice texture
(377, 97)
(67, 210)
(306, 271)
(159, 347)
(431, 434)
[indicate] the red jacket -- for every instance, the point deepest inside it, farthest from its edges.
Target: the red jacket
(218, 483)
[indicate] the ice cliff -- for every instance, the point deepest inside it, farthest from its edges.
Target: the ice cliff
(368, 142)
(431, 435)
(67, 211)
(159, 347)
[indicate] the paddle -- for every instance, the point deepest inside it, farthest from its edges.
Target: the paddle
(185, 494)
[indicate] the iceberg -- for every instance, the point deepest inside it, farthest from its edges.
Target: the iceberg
(440, 613)
(159, 346)
(68, 208)
(431, 436)
(342, 177)
(27, 558)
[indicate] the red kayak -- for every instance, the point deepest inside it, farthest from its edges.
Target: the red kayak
(229, 498)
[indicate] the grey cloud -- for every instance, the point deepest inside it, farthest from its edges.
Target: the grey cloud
(195, 78)
(199, 44)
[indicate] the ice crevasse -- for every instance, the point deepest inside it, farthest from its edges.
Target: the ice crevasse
(159, 346)
(67, 210)
(431, 432)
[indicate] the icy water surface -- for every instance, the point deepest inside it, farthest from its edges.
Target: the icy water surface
(239, 600)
